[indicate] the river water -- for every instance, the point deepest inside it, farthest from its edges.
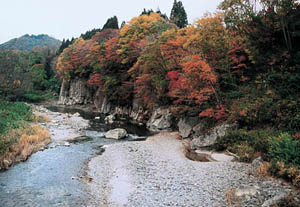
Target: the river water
(57, 176)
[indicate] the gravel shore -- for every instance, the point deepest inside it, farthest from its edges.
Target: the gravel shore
(156, 173)
(62, 126)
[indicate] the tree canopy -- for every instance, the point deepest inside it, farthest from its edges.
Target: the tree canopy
(111, 23)
(178, 15)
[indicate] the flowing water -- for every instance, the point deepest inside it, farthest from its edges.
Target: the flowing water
(57, 176)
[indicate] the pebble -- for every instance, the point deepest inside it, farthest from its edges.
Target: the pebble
(160, 176)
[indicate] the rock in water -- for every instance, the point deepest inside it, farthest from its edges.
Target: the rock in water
(116, 134)
(110, 119)
(76, 114)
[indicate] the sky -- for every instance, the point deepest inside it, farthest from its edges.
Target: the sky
(69, 18)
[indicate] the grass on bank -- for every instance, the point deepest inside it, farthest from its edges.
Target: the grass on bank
(18, 137)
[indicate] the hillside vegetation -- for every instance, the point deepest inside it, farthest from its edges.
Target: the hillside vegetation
(27, 75)
(27, 68)
(29, 42)
(239, 66)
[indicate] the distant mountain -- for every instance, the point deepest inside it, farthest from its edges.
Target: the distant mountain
(29, 42)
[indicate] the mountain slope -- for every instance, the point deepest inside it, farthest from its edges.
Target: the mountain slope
(28, 42)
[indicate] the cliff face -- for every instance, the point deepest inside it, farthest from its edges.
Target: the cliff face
(75, 92)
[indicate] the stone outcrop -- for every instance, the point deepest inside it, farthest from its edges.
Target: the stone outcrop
(116, 134)
(77, 92)
(135, 112)
(209, 139)
(102, 103)
(188, 126)
(74, 92)
(161, 119)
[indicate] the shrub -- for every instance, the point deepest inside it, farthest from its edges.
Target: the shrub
(256, 139)
(37, 96)
(288, 201)
(285, 154)
(284, 148)
(244, 151)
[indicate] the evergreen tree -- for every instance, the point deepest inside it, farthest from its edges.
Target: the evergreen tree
(64, 44)
(178, 15)
(123, 24)
(149, 11)
(164, 16)
(111, 23)
(146, 12)
(88, 35)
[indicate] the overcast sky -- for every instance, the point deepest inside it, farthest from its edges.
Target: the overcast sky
(69, 18)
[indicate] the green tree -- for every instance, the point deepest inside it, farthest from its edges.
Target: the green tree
(64, 44)
(89, 34)
(146, 12)
(38, 76)
(111, 23)
(178, 15)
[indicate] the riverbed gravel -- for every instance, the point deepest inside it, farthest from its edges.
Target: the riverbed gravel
(62, 126)
(156, 173)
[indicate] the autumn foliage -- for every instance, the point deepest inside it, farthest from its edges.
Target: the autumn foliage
(204, 67)
(195, 83)
(150, 59)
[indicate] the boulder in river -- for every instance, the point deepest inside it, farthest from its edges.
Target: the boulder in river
(110, 119)
(116, 134)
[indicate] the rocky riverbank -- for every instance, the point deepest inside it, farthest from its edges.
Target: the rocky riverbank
(156, 173)
(63, 126)
(55, 175)
(27, 139)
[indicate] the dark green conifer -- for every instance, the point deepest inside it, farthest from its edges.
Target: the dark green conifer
(111, 23)
(178, 15)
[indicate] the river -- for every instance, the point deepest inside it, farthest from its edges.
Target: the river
(56, 176)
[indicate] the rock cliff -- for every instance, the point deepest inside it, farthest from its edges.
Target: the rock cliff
(160, 119)
(74, 92)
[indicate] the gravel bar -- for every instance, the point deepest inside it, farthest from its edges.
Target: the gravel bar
(156, 173)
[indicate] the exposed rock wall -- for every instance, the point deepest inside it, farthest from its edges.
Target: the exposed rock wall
(161, 119)
(101, 102)
(75, 92)
(188, 126)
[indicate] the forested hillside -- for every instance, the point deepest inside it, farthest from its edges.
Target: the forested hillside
(29, 42)
(28, 75)
(238, 66)
(27, 68)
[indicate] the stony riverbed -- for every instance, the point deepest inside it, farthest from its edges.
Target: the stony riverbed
(156, 173)
(75, 171)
